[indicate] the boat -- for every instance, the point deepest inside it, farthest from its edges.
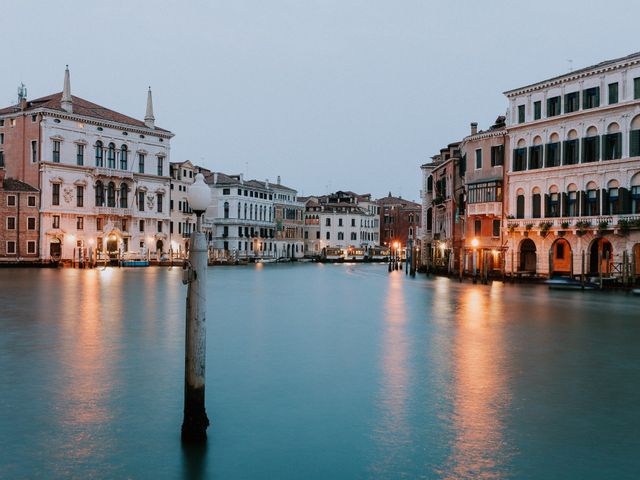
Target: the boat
(378, 254)
(266, 260)
(332, 255)
(563, 283)
(135, 263)
(355, 254)
(636, 291)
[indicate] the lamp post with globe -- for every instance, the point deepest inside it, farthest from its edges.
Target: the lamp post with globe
(195, 423)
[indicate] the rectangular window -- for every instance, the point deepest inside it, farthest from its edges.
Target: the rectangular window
(141, 163)
(141, 225)
(55, 194)
(31, 247)
(590, 149)
(226, 191)
(553, 106)
(159, 226)
(535, 157)
(56, 221)
(477, 227)
(497, 155)
(591, 98)
(519, 159)
(478, 158)
(353, 222)
(612, 146)
(571, 102)
(339, 222)
(634, 143)
(160, 166)
(79, 196)
(496, 228)
(141, 201)
(34, 151)
(553, 155)
(521, 112)
(613, 93)
(56, 151)
(79, 223)
(572, 204)
(537, 110)
(99, 224)
(328, 236)
(31, 223)
(11, 223)
(11, 247)
(636, 88)
(80, 154)
(31, 201)
(11, 200)
(1, 138)
(328, 222)
(1, 159)
(160, 201)
(570, 152)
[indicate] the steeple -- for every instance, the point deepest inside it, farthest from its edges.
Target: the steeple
(66, 103)
(149, 119)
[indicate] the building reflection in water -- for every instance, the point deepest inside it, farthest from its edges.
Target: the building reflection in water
(393, 432)
(480, 394)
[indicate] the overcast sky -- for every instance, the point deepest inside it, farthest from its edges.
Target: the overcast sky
(333, 94)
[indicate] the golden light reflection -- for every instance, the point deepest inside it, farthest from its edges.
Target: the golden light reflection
(480, 394)
(394, 430)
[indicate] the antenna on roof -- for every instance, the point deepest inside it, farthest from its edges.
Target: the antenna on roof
(22, 92)
(570, 65)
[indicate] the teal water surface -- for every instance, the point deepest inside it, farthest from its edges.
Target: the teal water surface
(317, 372)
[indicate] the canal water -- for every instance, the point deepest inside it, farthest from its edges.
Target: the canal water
(317, 372)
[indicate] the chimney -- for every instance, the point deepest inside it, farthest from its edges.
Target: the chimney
(278, 179)
(215, 177)
(241, 179)
(474, 128)
(66, 103)
(266, 184)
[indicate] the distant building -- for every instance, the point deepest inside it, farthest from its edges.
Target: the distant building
(289, 218)
(103, 176)
(400, 221)
(341, 220)
(183, 220)
(19, 220)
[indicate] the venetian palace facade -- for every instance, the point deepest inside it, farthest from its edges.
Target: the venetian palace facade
(103, 176)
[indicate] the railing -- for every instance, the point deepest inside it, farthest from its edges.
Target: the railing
(485, 208)
(575, 223)
(113, 211)
(112, 172)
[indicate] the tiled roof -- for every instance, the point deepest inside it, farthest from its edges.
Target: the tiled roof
(389, 200)
(12, 185)
(80, 107)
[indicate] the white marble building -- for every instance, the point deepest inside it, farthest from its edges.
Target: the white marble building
(183, 220)
(573, 179)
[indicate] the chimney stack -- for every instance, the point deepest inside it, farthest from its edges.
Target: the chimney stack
(241, 179)
(215, 177)
(266, 184)
(278, 179)
(474, 128)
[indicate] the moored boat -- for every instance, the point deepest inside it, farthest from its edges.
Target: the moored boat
(563, 283)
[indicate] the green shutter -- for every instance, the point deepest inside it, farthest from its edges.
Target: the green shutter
(597, 99)
(634, 140)
(636, 88)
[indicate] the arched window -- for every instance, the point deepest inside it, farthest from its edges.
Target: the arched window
(99, 194)
(226, 209)
(612, 143)
(99, 154)
(634, 137)
(635, 194)
(571, 149)
(614, 198)
(553, 151)
(535, 153)
(111, 156)
(124, 195)
(571, 201)
(340, 236)
(591, 146)
(123, 157)
(520, 156)
(552, 202)
(536, 210)
(592, 200)
(111, 195)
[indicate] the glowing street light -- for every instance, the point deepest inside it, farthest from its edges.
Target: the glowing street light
(195, 423)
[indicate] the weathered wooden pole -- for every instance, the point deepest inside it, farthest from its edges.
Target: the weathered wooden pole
(600, 268)
(582, 270)
(195, 423)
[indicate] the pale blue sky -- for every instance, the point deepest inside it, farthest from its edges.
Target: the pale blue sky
(332, 94)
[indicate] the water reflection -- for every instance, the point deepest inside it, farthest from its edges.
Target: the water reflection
(480, 394)
(393, 432)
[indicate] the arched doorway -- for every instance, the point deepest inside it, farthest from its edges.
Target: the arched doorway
(560, 257)
(600, 250)
(159, 246)
(528, 256)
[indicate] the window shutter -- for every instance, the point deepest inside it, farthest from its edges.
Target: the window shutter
(605, 202)
(547, 206)
(597, 149)
(597, 99)
(582, 195)
(634, 143)
(598, 209)
(565, 204)
(624, 199)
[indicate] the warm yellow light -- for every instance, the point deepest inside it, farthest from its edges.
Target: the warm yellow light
(112, 238)
(474, 243)
(92, 241)
(396, 245)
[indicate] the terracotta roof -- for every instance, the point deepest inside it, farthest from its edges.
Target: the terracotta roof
(389, 200)
(80, 107)
(12, 185)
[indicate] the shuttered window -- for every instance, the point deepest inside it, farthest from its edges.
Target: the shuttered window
(572, 102)
(535, 157)
(570, 152)
(590, 149)
(497, 155)
(613, 93)
(553, 155)
(520, 206)
(520, 113)
(636, 88)
(553, 106)
(519, 159)
(591, 98)
(634, 143)
(537, 110)
(612, 146)
(535, 206)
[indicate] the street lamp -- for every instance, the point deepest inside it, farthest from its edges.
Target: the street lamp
(195, 423)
